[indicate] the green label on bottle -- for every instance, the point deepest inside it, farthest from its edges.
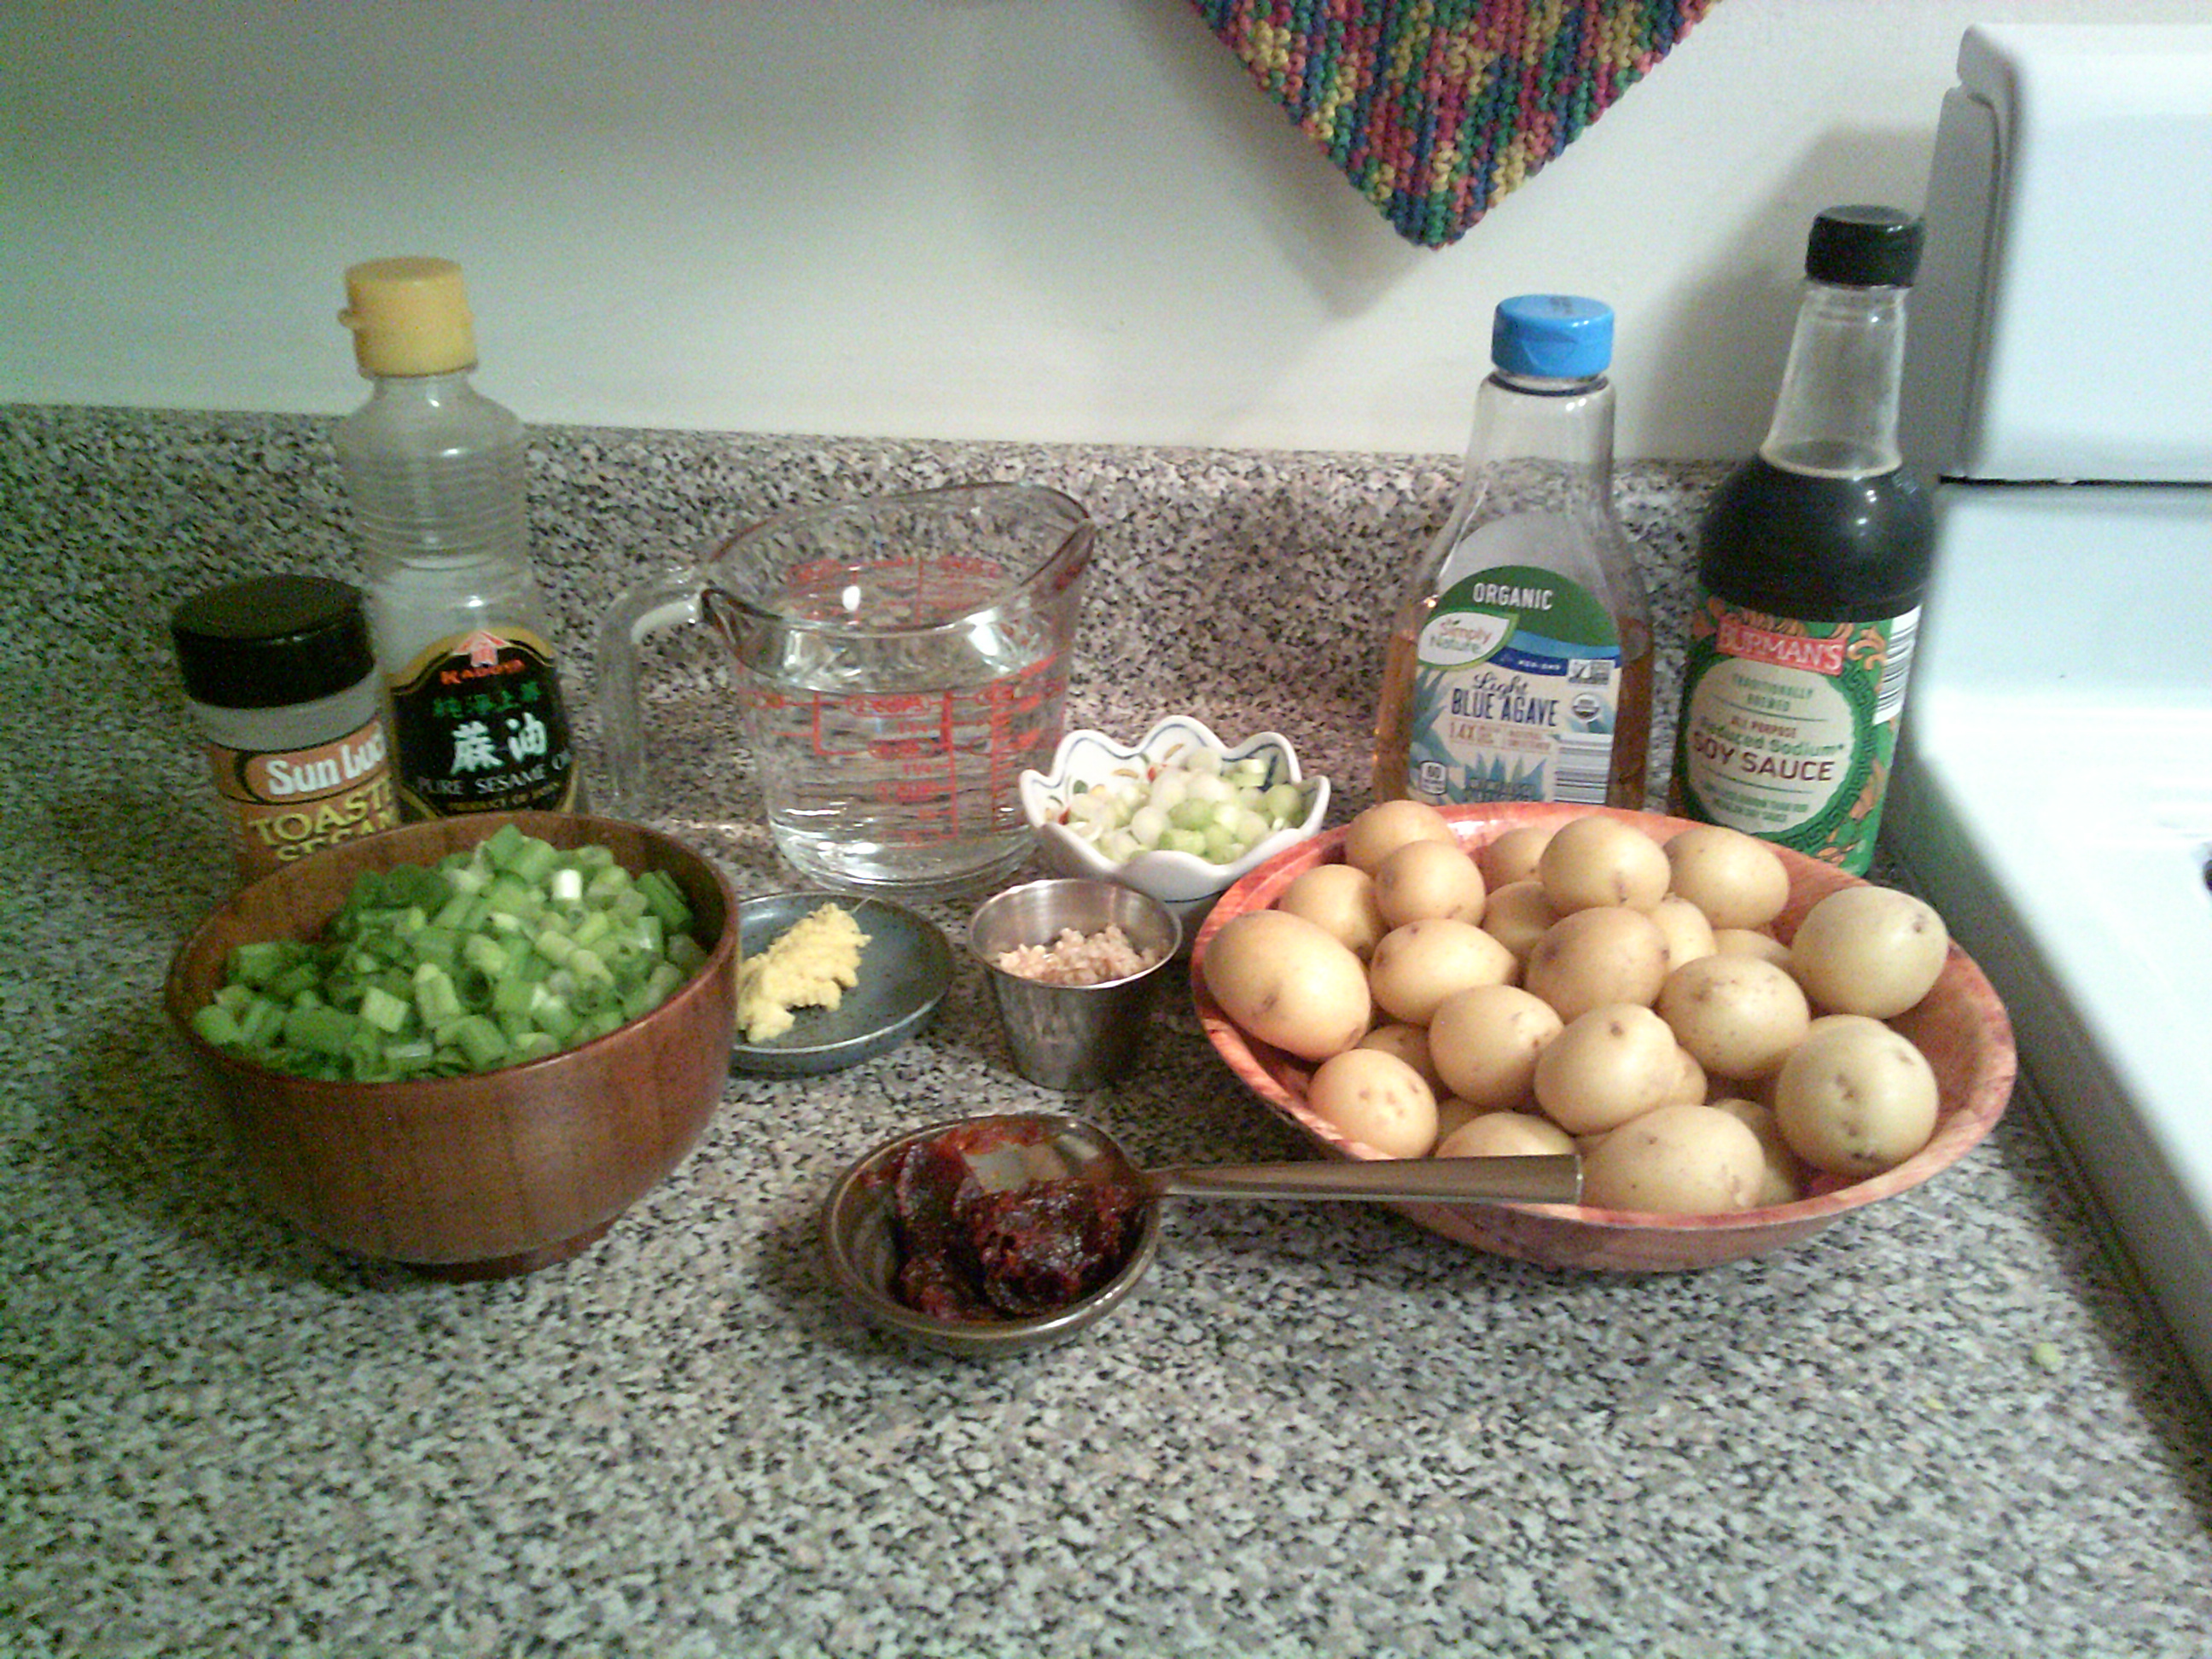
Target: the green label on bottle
(480, 727)
(1788, 727)
(1516, 692)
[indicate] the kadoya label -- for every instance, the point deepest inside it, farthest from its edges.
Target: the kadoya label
(480, 726)
(1788, 727)
(1516, 695)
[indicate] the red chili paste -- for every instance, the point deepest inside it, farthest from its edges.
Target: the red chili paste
(970, 1253)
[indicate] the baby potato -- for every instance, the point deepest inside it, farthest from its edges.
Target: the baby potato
(1426, 878)
(1609, 953)
(1869, 950)
(1740, 1017)
(1485, 1040)
(1691, 1086)
(1683, 927)
(1829, 1021)
(1516, 914)
(1597, 861)
(1675, 1160)
(1416, 967)
(1612, 1063)
(1782, 1181)
(1451, 1113)
(1288, 982)
(1340, 898)
(1505, 1134)
(1410, 1044)
(1751, 942)
(1734, 878)
(1856, 1097)
(1514, 855)
(1377, 1100)
(1389, 824)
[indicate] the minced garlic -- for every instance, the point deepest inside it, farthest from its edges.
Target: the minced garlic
(810, 964)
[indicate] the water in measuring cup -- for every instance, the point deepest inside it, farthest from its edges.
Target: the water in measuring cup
(893, 761)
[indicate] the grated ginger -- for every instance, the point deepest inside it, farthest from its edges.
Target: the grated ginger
(810, 964)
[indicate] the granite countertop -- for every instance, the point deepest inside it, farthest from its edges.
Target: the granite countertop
(1941, 1427)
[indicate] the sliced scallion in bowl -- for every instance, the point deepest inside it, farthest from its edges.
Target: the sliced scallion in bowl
(1189, 801)
(508, 952)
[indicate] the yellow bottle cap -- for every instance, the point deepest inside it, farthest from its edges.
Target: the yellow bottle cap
(409, 316)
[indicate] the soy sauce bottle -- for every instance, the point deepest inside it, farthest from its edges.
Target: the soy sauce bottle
(1812, 559)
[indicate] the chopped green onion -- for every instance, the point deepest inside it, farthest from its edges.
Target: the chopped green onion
(318, 1028)
(436, 997)
(485, 1044)
(485, 954)
(215, 1024)
(500, 846)
(505, 953)
(380, 1009)
(1190, 801)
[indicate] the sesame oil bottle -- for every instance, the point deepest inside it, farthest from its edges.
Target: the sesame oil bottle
(435, 472)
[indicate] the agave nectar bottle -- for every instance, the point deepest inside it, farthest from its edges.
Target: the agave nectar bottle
(435, 472)
(1811, 563)
(1519, 665)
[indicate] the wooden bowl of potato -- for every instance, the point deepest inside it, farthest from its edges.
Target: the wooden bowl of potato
(1958, 1029)
(496, 1172)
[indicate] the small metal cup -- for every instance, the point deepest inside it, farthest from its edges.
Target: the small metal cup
(1072, 1037)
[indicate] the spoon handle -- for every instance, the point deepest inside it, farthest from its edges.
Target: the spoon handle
(1545, 1178)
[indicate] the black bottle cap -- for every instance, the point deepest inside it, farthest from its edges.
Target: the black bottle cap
(270, 641)
(1863, 246)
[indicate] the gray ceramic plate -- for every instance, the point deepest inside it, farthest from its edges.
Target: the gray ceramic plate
(905, 969)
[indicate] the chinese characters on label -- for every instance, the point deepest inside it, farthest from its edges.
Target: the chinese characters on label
(483, 730)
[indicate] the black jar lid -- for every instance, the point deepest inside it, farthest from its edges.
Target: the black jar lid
(1864, 246)
(269, 641)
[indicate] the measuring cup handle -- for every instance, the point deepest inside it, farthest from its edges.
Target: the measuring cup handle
(669, 600)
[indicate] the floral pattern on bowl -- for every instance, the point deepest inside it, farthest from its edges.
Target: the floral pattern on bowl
(1185, 883)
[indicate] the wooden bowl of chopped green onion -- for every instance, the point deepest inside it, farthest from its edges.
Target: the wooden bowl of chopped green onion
(467, 1045)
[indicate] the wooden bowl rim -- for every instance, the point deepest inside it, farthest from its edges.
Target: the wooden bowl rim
(1992, 1073)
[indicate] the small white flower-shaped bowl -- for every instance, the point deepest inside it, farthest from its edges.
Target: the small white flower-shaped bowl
(1186, 883)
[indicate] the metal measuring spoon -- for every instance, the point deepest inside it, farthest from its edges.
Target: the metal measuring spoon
(860, 1231)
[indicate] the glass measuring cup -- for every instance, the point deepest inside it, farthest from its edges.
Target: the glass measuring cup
(899, 661)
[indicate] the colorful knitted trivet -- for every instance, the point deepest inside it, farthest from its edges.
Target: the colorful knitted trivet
(1436, 108)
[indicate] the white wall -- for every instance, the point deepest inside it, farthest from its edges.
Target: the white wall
(1021, 219)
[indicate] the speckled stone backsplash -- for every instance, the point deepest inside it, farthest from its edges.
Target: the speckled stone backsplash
(1941, 1427)
(1258, 583)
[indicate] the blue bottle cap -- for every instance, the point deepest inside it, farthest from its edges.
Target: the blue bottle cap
(1552, 336)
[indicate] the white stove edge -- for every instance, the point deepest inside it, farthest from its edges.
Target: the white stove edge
(2100, 946)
